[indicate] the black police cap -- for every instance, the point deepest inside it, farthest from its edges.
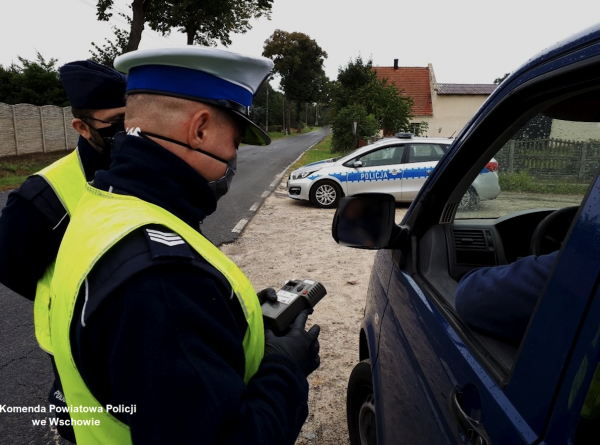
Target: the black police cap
(90, 85)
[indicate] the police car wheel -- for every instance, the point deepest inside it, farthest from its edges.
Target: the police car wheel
(325, 194)
(469, 200)
(360, 406)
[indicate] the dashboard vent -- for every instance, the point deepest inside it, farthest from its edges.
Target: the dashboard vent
(469, 239)
(448, 213)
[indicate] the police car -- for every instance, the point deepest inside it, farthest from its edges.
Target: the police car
(423, 374)
(398, 166)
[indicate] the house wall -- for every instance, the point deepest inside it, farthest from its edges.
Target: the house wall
(450, 113)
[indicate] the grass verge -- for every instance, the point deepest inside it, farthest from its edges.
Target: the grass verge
(15, 169)
(319, 152)
(525, 183)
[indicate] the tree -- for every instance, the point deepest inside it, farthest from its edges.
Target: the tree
(207, 21)
(108, 53)
(35, 82)
(204, 21)
(357, 84)
(139, 8)
(299, 61)
(351, 79)
(499, 80)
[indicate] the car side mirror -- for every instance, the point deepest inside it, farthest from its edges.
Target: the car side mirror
(367, 221)
(357, 164)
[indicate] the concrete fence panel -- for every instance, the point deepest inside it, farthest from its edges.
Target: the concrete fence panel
(7, 131)
(54, 128)
(29, 129)
(26, 129)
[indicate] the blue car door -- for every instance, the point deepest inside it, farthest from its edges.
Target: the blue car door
(433, 377)
(380, 172)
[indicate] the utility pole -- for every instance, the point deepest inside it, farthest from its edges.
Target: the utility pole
(306, 114)
(267, 118)
(317, 114)
(284, 126)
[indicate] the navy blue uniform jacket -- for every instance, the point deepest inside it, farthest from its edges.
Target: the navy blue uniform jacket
(161, 331)
(33, 224)
(500, 300)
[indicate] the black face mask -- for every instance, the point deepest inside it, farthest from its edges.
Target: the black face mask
(105, 137)
(220, 186)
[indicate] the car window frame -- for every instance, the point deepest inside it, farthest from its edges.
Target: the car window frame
(406, 157)
(351, 161)
(529, 393)
(425, 212)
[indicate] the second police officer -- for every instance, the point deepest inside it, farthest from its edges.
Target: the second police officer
(36, 215)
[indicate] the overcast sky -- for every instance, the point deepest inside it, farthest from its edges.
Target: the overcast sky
(466, 41)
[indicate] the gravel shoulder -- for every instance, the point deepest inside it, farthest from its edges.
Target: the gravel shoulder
(289, 239)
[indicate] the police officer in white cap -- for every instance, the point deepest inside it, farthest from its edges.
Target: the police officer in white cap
(150, 321)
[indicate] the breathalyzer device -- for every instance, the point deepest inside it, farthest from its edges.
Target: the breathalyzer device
(293, 297)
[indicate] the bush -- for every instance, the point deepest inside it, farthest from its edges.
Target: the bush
(518, 182)
(343, 127)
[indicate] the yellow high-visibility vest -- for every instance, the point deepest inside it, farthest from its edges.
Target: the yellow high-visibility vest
(101, 220)
(67, 179)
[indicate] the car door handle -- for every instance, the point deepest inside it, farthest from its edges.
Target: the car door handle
(471, 428)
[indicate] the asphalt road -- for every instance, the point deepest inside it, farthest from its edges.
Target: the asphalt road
(25, 374)
(258, 172)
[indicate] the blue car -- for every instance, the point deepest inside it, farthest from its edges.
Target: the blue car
(423, 374)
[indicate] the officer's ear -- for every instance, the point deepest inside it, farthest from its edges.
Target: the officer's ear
(199, 128)
(81, 127)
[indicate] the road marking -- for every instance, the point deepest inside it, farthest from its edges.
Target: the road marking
(254, 208)
(265, 194)
(274, 183)
(240, 226)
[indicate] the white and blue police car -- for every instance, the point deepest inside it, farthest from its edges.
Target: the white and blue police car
(398, 166)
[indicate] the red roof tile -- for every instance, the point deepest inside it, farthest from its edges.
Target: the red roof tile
(414, 81)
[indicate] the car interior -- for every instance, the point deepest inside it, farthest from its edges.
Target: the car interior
(425, 153)
(548, 158)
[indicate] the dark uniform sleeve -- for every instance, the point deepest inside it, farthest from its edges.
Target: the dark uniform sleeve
(167, 342)
(32, 225)
(500, 300)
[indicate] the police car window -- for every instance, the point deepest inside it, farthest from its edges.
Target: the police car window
(425, 153)
(547, 163)
(384, 156)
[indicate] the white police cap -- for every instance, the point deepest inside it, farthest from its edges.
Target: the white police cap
(209, 75)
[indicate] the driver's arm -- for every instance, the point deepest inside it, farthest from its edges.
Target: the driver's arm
(500, 300)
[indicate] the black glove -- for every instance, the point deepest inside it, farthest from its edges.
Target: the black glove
(267, 294)
(298, 345)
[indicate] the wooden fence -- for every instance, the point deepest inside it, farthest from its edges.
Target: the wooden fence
(551, 158)
(28, 129)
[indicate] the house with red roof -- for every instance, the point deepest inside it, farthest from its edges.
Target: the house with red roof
(445, 107)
